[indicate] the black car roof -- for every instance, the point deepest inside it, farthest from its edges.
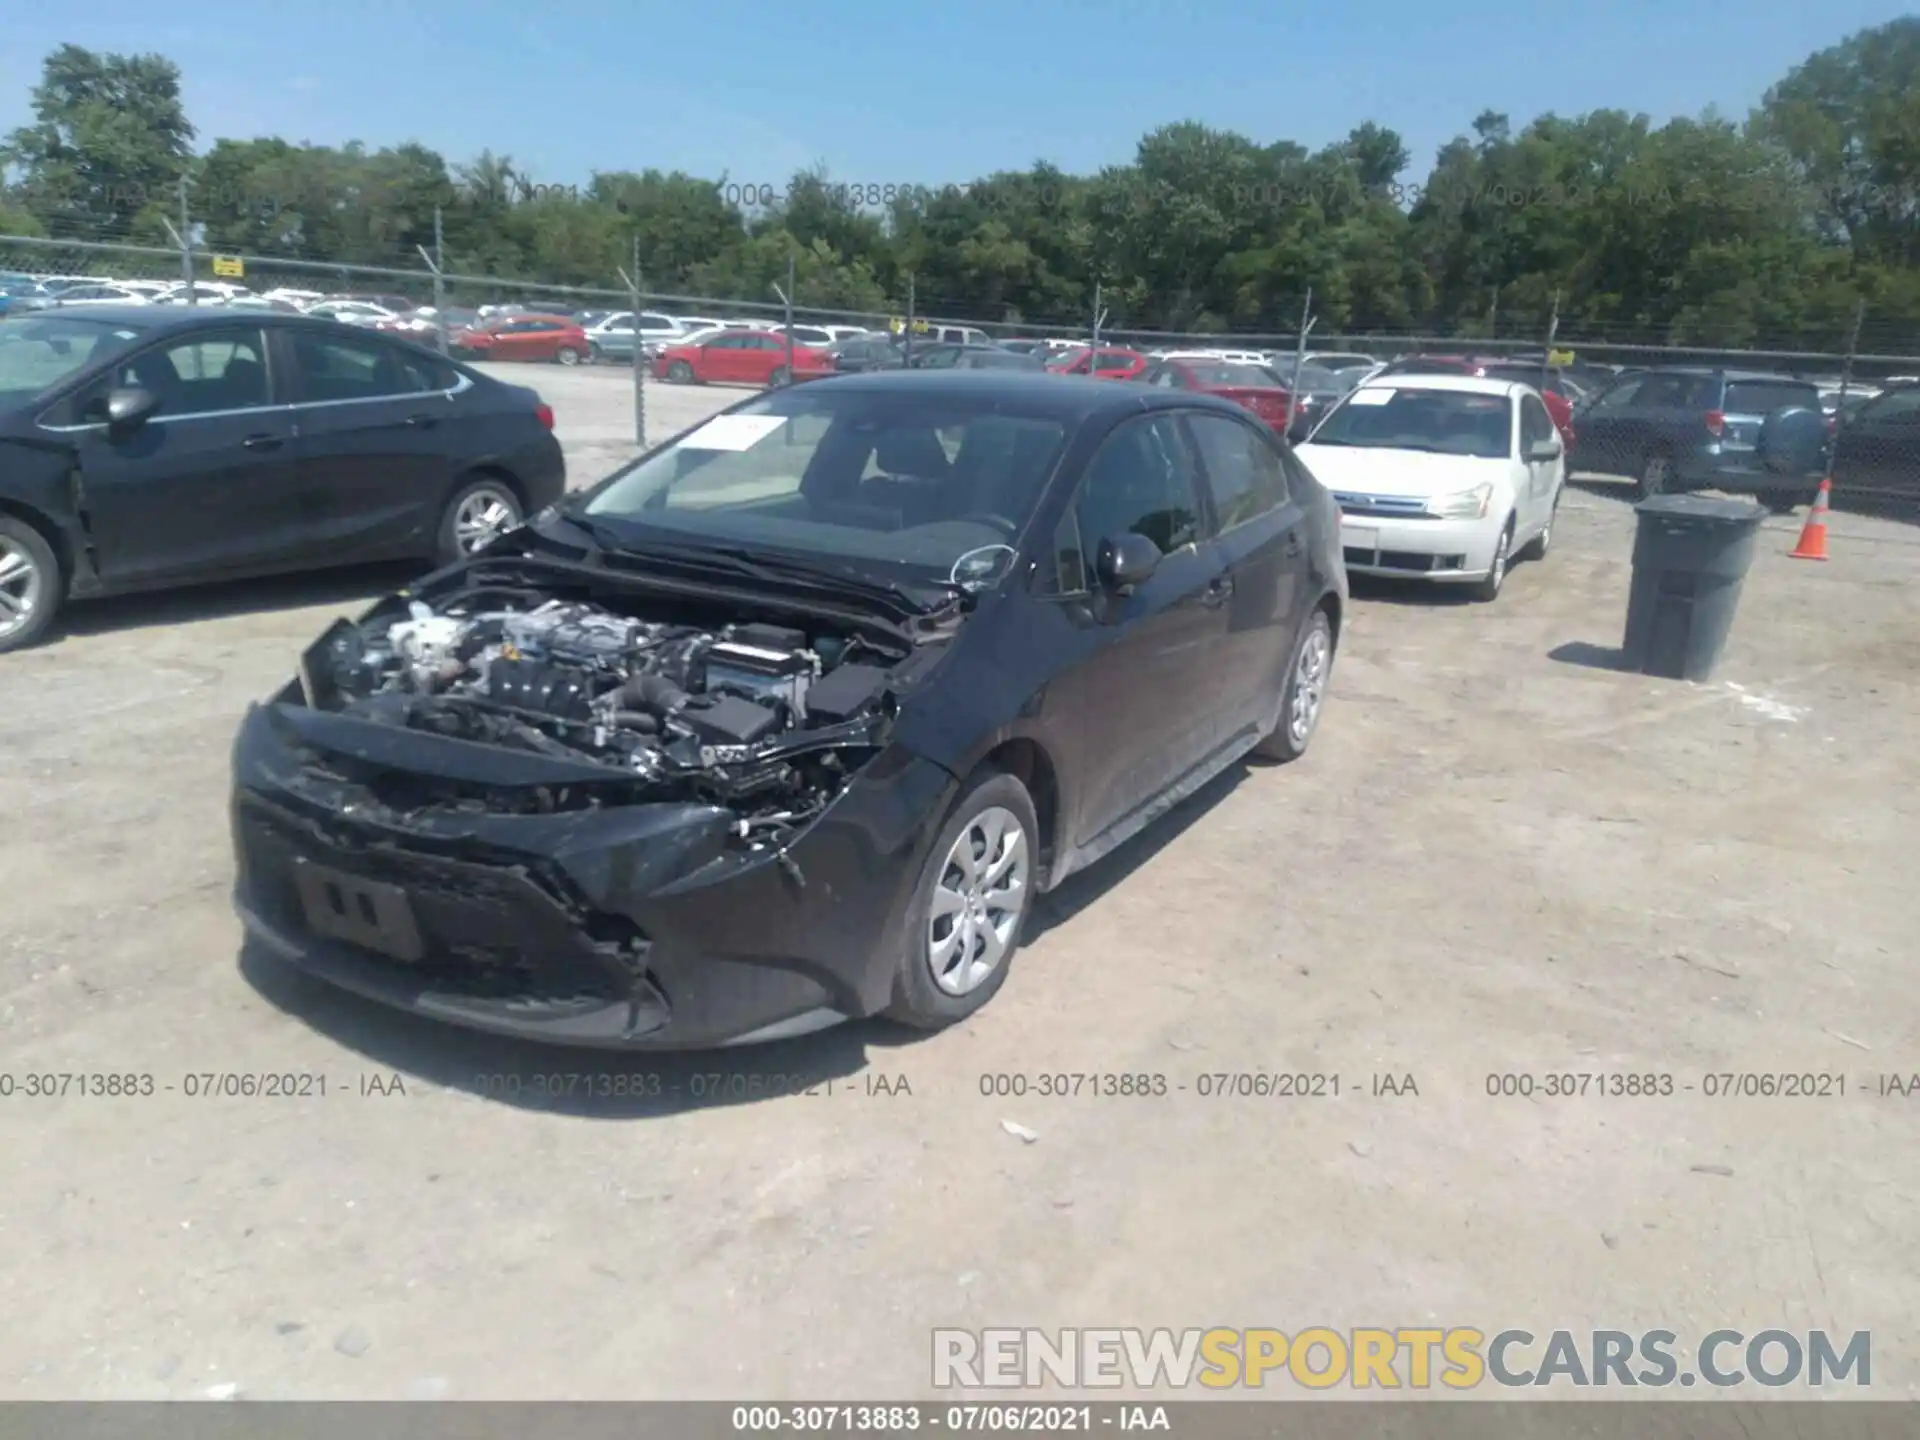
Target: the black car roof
(1072, 399)
(1707, 371)
(162, 319)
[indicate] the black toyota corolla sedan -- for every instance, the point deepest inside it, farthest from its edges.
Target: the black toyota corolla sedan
(790, 720)
(150, 446)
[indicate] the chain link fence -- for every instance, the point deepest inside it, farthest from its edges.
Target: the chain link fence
(1872, 400)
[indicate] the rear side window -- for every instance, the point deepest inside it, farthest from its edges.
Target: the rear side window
(336, 369)
(1674, 392)
(1242, 469)
(1763, 397)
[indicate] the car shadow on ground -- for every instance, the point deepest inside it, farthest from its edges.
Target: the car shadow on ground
(1390, 591)
(360, 584)
(625, 1085)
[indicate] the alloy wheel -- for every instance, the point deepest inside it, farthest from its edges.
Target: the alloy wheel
(1309, 684)
(22, 587)
(978, 901)
(483, 515)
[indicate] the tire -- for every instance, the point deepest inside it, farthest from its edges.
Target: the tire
(567, 355)
(993, 803)
(680, 373)
(1488, 590)
(32, 587)
(595, 355)
(472, 517)
(780, 379)
(1656, 473)
(1309, 667)
(1538, 547)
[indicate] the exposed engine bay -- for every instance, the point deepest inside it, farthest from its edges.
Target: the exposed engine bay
(766, 719)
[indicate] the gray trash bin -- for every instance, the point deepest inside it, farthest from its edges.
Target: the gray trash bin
(1690, 556)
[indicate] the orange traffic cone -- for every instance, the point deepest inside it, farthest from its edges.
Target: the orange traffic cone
(1813, 535)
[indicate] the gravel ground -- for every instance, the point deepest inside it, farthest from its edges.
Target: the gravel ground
(1500, 857)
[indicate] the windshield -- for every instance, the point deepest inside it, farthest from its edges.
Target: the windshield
(41, 348)
(914, 482)
(1444, 422)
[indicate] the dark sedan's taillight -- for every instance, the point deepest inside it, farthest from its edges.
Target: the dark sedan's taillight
(544, 414)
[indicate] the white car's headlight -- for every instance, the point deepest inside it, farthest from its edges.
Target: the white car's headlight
(1462, 504)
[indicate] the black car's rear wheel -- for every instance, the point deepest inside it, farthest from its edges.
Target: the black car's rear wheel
(478, 512)
(31, 585)
(1656, 473)
(969, 906)
(1304, 693)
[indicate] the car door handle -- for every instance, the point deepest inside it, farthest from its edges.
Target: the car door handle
(423, 422)
(1217, 591)
(263, 442)
(1291, 546)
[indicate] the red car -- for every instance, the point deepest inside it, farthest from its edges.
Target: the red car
(1110, 365)
(1253, 386)
(522, 337)
(741, 357)
(1559, 403)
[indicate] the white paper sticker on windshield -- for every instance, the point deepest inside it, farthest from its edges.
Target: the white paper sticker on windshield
(733, 432)
(1380, 396)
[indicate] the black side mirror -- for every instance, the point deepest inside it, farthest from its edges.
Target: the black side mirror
(129, 406)
(1126, 562)
(1300, 428)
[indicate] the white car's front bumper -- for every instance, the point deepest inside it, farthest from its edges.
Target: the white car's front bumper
(1376, 544)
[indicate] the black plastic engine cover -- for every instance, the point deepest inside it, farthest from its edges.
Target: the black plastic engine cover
(548, 689)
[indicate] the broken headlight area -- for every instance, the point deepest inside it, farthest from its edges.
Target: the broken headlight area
(644, 703)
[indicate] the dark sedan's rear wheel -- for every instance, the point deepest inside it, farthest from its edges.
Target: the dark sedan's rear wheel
(1304, 693)
(567, 355)
(31, 585)
(970, 905)
(477, 513)
(680, 373)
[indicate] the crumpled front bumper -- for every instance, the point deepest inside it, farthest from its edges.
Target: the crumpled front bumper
(638, 927)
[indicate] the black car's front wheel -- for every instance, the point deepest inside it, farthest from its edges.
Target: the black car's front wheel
(969, 906)
(478, 512)
(31, 585)
(1301, 698)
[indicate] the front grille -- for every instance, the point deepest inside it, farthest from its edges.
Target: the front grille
(489, 932)
(1399, 507)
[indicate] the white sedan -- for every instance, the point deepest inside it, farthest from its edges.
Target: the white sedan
(1440, 477)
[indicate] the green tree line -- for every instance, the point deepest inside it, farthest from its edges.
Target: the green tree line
(1709, 231)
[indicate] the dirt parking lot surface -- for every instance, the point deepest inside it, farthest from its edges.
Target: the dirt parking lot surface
(1501, 857)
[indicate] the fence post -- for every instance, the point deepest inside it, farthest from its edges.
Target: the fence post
(786, 301)
(439, 285)
(1553, 329)
(1307, 321)
(910, 316)
(186, 244)
(1846, 379)
(639, 359)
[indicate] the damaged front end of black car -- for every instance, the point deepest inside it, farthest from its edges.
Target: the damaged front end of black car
(538, 797)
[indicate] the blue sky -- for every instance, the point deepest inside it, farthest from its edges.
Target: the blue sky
(920, 93)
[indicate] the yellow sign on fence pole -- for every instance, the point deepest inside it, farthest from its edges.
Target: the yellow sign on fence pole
(229, 267)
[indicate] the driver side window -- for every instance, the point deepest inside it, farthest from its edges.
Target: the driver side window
(1141, 482)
